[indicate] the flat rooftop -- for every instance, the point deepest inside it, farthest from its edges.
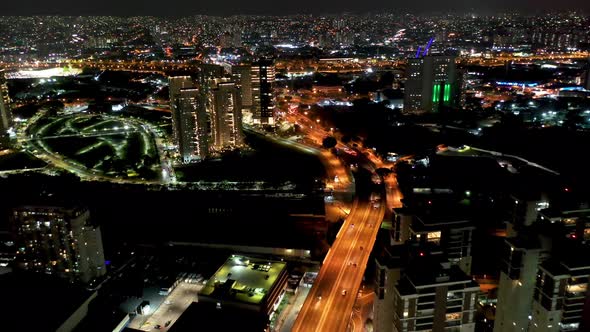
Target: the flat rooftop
(243, 279)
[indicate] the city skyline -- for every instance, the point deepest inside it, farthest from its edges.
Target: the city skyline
(298, 173)
(268, 7)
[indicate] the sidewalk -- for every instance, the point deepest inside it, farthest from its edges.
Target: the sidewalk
(289, 315)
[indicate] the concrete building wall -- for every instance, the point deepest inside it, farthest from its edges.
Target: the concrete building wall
(76, 317)
(384, 304)
(543, 320)
(515, 296)
(5, 111)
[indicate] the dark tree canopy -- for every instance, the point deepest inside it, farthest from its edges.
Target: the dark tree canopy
(329, 142)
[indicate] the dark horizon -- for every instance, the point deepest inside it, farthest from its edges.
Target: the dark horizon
(182, 8)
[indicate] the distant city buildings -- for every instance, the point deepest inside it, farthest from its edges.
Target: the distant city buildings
(431, 84)
(230, 39)
(206, 115)
(226, 114)
(58, 240)
(263, 100)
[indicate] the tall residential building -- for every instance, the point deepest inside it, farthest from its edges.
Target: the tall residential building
(189, 118)
(58, 240)
(445, 228)
(520, 260)
(5, 112)
(561, 295)
(175, 84)
(263, 77)
(541, 231)
(225, 113)
(242, 75)
(192, 138)
(432, 83)
(434, 296)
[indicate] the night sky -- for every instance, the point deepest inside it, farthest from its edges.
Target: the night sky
(274, 7)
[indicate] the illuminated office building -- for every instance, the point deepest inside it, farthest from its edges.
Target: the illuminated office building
(58, 240)
(432, 83)
(225, 114)
(263, 77)
(242, 75)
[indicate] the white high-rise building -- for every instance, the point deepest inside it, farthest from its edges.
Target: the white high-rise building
(192, 125)
(5, 112)
(225, 114)
(432, 82)
(58, 240)
(189, 119)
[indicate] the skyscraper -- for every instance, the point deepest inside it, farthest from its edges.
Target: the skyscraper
(189, 119)
(226, 114)
(263, 77)
(192, 125)
(516, 286)
(432, 83)
(242, 75)
(58, 240)
(560, 300)
(5, 113)
(177, 83)
(434, 296)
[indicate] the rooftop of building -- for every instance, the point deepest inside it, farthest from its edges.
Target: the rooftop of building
(442, 218)
(398, 256)
(426, 272)
(525, 240)
(568, 265)
(554, 212)
(435, 211)
(243, 279)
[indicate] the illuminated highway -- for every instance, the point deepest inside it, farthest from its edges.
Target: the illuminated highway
(329, 304)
